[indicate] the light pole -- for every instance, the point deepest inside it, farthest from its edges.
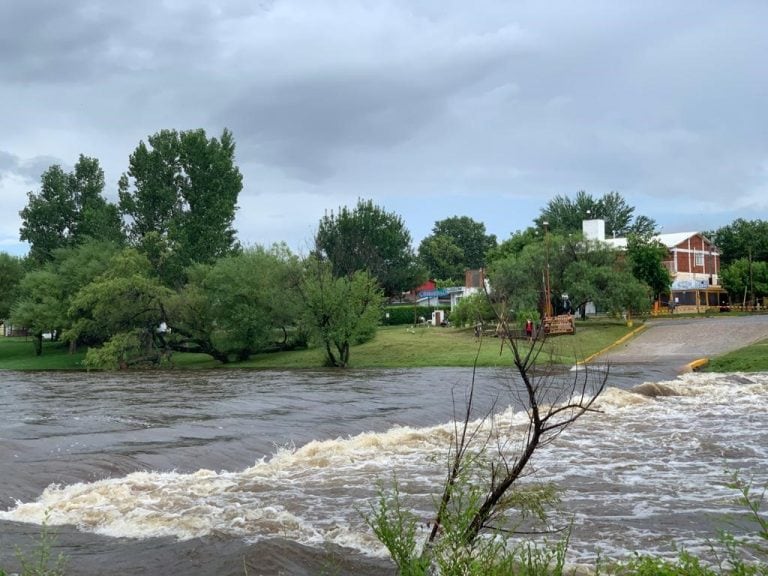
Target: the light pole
(547, 296)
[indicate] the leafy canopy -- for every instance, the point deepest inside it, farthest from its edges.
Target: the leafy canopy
(68, 209)
(367, 238)
(179, 197)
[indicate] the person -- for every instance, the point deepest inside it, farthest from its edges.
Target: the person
(529, 329)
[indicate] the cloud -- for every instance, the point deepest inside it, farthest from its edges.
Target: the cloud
(435, 108)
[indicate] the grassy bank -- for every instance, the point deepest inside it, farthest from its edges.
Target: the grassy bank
(753, 358)
(393, 347)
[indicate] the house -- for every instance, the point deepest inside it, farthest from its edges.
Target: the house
(693, 262)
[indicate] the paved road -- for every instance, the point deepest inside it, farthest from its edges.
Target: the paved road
(675, 342)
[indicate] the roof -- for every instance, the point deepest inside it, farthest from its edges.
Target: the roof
(669, 240)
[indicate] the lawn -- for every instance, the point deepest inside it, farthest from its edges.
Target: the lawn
(393, 347)
(19, 354)
(753, 358)
(406, 347)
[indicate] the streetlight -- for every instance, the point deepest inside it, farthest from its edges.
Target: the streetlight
(547, 298)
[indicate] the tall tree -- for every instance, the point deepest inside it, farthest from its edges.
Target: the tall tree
(443, 259)
(367, 238)
(180, 196)
(564, 215)
(68, 209)
(463, 232)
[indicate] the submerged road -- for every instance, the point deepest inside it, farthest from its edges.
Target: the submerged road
(675, 342)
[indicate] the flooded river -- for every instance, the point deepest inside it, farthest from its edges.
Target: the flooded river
(227, 472)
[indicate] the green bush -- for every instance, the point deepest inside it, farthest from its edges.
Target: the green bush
(405, 314)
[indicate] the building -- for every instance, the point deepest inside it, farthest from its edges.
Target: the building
(693, 262)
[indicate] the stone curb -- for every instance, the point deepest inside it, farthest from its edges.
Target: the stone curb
(613, 345)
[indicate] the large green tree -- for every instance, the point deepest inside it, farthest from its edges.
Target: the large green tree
(179, 197)
(564, 215)
(131, 331)
(368, 238)
(45, 293)
(462, 232)
(68, 209)
(242, 304)
(339, 311)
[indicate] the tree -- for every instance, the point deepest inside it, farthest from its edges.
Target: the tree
(131, 331)
(180, 196)
(743, 277)
(339, 311)
(742, 239)
(646, 258)
(443, 259)
(41, 309)
(464, 233)
(11, 273)
(45, 293)
(585, 271)
(367, 238)
(564, 215)
(241, 305)
(68, 209)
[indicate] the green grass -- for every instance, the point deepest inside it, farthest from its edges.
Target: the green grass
(393, 347)
(753, 358)
(19, 354)
(405, 347)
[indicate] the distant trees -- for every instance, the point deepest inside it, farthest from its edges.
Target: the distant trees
(368, 238)
(455, 245)
(564, 215)
(179, 198)
(585, 271)
(11, 273)
(743, 247)
(68, 209)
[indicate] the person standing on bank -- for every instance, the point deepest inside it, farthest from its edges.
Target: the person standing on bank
(529, 329)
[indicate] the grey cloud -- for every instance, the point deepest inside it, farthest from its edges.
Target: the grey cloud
(27, 169)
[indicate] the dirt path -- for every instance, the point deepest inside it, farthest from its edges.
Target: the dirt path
(680, 341)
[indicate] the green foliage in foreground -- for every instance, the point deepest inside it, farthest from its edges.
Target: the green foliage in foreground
(753, 358)
(40, 560)
(505, 553)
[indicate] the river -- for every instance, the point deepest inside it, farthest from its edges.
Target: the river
(267, 472)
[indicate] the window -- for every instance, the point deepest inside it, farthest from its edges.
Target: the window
(698, 259)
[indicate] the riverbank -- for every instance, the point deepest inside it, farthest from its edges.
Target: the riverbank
(393, 347)
(721, 344)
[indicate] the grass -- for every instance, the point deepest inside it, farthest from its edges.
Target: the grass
(406, 347)
(393, 347)
(752, 358)
(19, 354)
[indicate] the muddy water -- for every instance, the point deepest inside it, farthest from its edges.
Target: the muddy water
(227, 471)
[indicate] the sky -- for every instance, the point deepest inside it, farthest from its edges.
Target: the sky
(432, 108)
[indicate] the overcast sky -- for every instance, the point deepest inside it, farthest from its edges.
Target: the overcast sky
(432, 108)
